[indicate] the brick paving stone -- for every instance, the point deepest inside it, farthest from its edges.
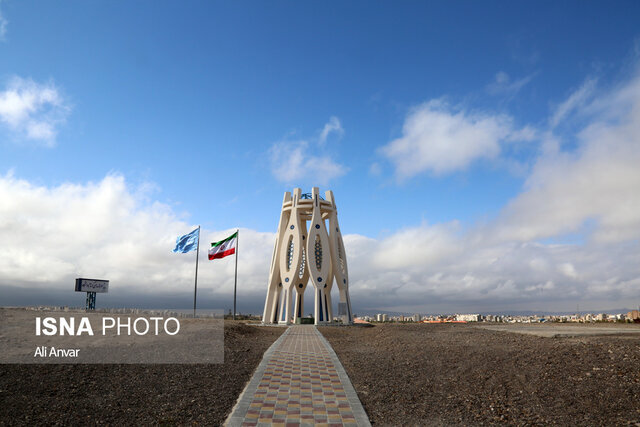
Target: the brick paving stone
(298, 383)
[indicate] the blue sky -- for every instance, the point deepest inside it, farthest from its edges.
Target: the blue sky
(420, 116)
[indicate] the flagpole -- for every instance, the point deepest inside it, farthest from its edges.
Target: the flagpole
(195, 290)
(235, 283)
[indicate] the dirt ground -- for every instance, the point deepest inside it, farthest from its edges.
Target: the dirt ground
(404, 375)
(457, 374)
(563, 330)
(134, 394)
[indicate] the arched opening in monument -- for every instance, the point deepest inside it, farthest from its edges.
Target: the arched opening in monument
(290, 248)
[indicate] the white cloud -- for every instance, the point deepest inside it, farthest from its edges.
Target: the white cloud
(32, 110)
(296, 161)
(575, 101)
(437, 139)
(568, 270)
(3, 27)
(503, 85)
(502, 78)
(418, 246)
(375, 169)
(526, 134)
(332, 126)
(292, 162)
(598, 182)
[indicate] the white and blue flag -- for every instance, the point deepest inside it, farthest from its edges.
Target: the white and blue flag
(188, 242)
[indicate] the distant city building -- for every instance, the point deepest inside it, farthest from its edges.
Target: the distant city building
(632, 316)
(467, 317)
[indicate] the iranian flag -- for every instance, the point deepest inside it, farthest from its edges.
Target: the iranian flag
(224, 247)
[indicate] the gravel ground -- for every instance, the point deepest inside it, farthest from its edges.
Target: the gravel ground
(134, 394)
(458, 374)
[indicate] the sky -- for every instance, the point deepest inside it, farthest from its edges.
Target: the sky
(484, 156)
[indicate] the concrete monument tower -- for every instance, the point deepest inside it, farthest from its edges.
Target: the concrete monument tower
(308, 247)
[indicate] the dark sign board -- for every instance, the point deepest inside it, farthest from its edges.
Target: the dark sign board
(92, 285)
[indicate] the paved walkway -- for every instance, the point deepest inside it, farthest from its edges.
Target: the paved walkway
(300, 381)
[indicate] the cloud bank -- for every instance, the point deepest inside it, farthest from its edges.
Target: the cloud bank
(571, 236)
(596, 183)
(108, 229)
